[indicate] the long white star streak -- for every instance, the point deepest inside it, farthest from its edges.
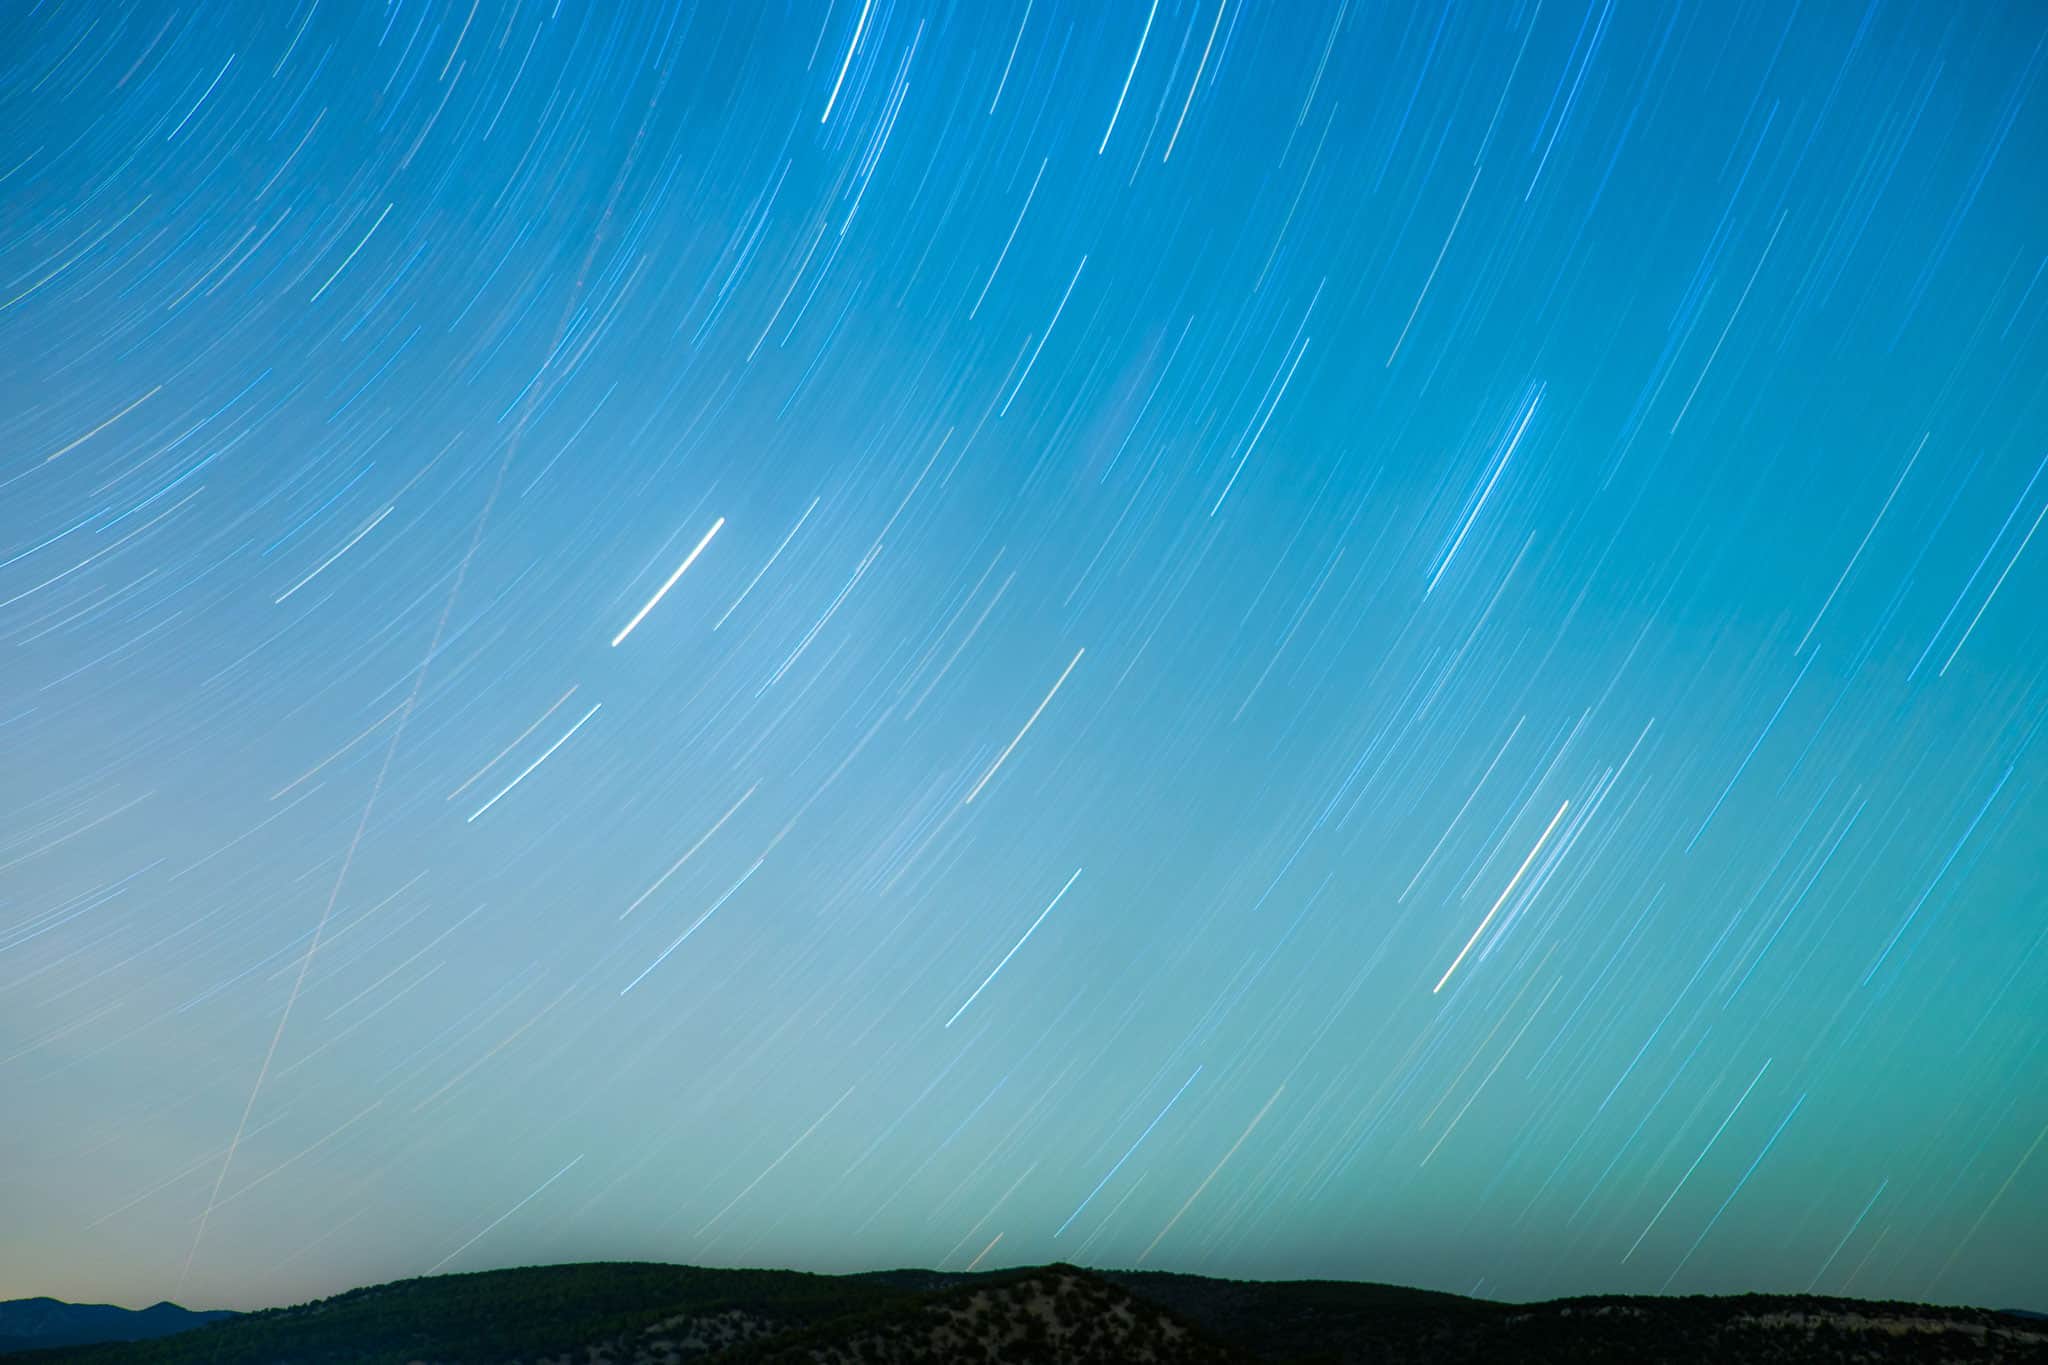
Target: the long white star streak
(503, 1216)
(1128, 1151)
(695, 924)
(851, 48)
(1847, 1235)
(1499, 468)
(361, 735)
(2025, 1157)
(1004, 254)
(1257, 1119)
(777, 1162)
(104, 425)
(662, 591)
(1015, 43)
(676, 866)
(1994, 591)
(331, 558)
(1971, 581)
(521, 739)
(351, 255)
(1434, 267)
(545, 755)
(1200, 67)
(1946, 864)
(969, 800)
(1013, 951)
(1506, 891)
(1729, 325)
(984, 1253)
(1124, 94)
(1768, 1144)
(769, 565)
(1461, 812)
(1862, 544)
(1696, 1162)
(1019, 387)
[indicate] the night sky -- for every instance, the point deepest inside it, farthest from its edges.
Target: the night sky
(1263, 638)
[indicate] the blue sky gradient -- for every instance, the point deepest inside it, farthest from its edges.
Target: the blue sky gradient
(1268, 639)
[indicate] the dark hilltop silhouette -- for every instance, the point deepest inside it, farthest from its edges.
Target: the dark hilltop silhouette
(27, 1324)
(625, 1313)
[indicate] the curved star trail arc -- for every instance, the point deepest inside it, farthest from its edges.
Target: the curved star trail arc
(575, 579)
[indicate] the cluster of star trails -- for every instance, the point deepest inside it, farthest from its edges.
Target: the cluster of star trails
(1404, 642)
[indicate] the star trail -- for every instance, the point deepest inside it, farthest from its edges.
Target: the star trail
(1401, 642)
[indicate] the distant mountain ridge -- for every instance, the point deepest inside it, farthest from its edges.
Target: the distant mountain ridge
(29, 1324)
(632, 1313)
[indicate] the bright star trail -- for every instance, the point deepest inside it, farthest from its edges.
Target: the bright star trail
(578, 581)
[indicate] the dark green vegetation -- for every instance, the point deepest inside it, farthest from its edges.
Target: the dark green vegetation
(640, 1314)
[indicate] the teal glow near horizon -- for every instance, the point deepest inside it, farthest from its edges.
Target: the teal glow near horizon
(1383, 642)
